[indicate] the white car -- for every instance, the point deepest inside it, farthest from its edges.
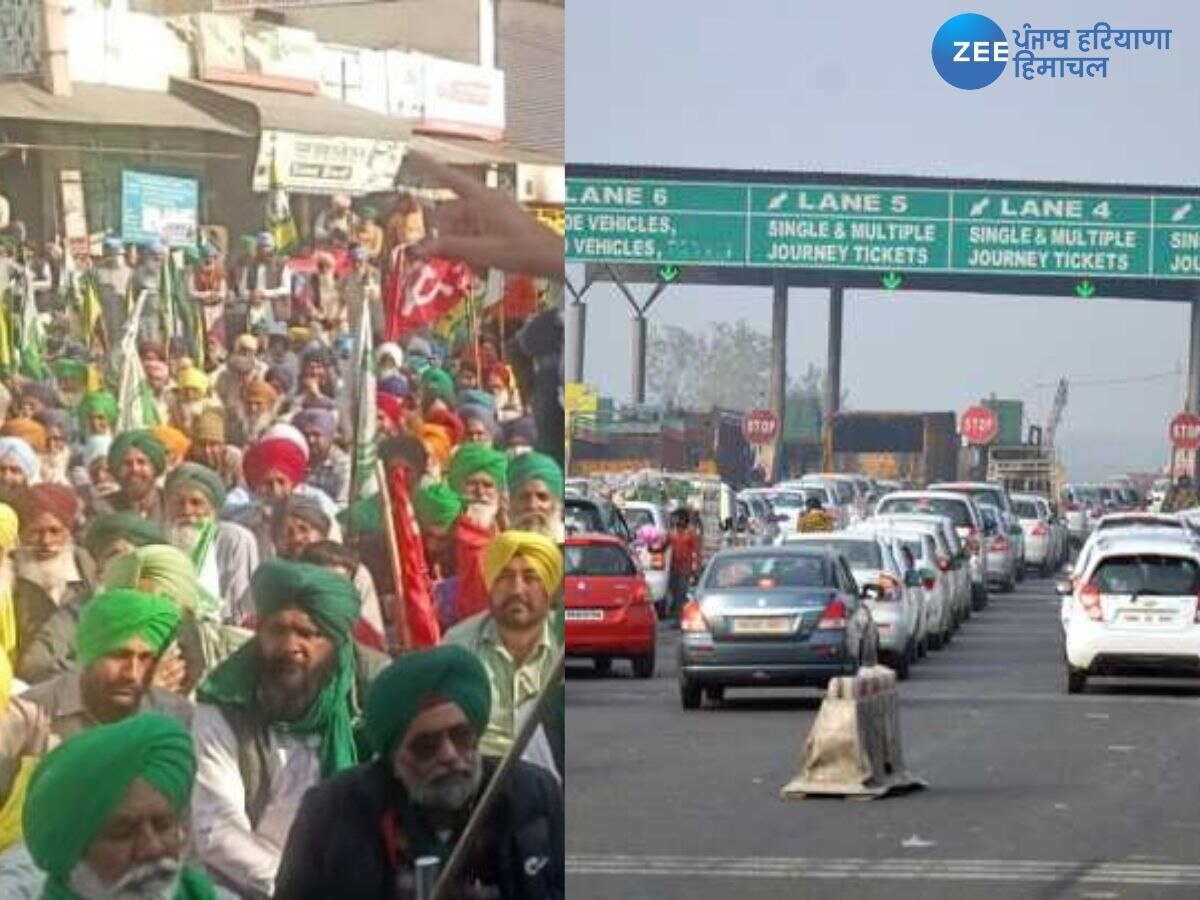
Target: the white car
(891, 590)
(1166, 525)
(963, 512)
(952, 560)
(655, 560)
(789, 497)
(1043, 540)
(919, 540)
(1134, 611)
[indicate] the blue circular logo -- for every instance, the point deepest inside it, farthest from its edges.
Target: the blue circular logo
(970, 51)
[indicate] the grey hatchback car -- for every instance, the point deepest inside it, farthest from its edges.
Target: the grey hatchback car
(773, 617)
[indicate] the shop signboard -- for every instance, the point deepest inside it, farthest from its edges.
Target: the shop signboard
(319, 164)
(159, 207)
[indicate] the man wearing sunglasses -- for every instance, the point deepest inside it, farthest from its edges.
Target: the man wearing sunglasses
(425, 715)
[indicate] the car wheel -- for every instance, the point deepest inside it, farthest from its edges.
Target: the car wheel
(1076, 680)
(1020, 572)
(935, 641)
(902, 666)
(603, 666)
(689, 695)
(715, 693)
(979, 597)
(643, 666)
(923, 647)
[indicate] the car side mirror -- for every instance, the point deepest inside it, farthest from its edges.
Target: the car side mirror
(1015, 530)
(1063, 588)
(912, 578)
(727, 524)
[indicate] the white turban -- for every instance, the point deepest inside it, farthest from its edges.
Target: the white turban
(19, 451)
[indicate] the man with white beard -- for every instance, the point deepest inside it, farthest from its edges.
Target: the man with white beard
(51, 573)
(535, 489)
(104, 813)
(424, 718)
(254, 412)
(225, 554)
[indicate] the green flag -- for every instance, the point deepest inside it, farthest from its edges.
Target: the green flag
(32, 342)
(367, 423)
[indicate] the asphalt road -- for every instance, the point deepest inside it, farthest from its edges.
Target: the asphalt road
(1032, 793)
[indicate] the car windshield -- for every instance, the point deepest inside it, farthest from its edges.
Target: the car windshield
(598, 560)
(1147, 573)
(1025, 509)
(914, 547)
(783, 571)
(860, 554)
(583, 518)
(795, 499)
(954, 510)
(991, 495)
(636, 517)
(1139, 522)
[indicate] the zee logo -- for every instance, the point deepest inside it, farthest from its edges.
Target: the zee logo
(969, 51)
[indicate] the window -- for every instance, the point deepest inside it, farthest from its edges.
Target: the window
(955, 510)
(638, 517)
(583, 518)
(860, 554)
(770, 572)
(1147, 574)
(599, 560)
(1026, 509)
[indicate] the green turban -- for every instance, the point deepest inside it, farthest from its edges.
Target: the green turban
(401, 689)
(111, 619)
(129, 526)
(160, 569)
(79, 784)
(438, 383)
(333, 603)
(330, 599)
(71, 368)
(138, 439)
(532, 465)
(99, 402)
(437, 506)
(472, 458)
(193, 476)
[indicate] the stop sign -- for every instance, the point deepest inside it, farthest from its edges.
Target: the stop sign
(760, 426)
(1185, 431)
(979, 425)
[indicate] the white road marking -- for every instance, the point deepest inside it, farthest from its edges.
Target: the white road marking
(1158, 874)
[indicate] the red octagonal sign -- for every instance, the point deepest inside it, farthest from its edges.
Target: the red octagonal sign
(979, 425)
(760, 426)
(1185, 432)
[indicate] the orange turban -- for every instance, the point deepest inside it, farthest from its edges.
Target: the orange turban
(176, 442)
(27, 430)
(437, 442)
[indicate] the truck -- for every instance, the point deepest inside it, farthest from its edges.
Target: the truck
(914, 447)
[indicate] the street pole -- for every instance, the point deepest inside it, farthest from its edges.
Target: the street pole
(639, 357)
(577, 328)
(1192, 400)
(778, 383)
(833, 371)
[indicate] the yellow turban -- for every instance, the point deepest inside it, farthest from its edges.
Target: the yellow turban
(194, 379)
(176, 442)
(9, 528)
(541, 552)
(437, 441)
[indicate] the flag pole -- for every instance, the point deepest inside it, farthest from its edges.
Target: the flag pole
(399, 607)
(491, 793)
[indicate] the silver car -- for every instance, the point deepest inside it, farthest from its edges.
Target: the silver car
(919, 542)
(1002, 552)
(894, 597)
(773, 616)
(951, 560)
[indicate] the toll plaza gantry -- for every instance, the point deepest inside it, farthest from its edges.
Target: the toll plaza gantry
(655, 229)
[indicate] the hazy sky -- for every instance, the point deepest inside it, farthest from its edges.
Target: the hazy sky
(849, 87)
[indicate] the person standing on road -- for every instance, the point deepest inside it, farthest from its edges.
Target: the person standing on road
(685, 560)
(1181, 496)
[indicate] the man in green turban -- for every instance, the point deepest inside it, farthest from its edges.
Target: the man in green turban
(535, 486)
(120, 638)
(137, 459)
(478, 475)
(437, 386)
(93, 800)
(225, 554)
(276, 718)
(98, 413)
(71, 375)
(116, 533)
(424, 717)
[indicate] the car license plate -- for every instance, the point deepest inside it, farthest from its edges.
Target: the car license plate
(763, 625)
(1146, 618)
(585, 615)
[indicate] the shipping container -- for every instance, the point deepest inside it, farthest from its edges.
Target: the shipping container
(1010, 415)
(896, 446)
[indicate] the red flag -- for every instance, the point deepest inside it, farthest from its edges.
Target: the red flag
(416, 593)
(428, 291)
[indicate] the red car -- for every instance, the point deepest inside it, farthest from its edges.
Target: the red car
(608, 609)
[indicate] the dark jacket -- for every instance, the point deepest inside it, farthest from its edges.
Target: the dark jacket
(523, 834)
(34, 607)
(118, 502)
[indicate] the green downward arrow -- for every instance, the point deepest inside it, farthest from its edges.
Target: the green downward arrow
(892, 280)
(668, 273)
(1085, 289)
